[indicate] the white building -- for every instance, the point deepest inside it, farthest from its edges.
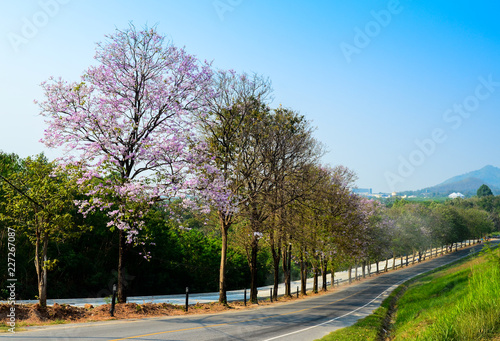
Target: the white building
(456, 195)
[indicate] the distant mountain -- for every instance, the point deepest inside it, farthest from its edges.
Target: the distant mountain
(488, 174)
(466, 184)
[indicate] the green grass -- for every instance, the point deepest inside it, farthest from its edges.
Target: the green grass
(459, 302)
(21, 325)
(59, 321)
(365, 329)
(369, 327)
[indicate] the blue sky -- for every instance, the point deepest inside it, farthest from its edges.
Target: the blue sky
(405, 93)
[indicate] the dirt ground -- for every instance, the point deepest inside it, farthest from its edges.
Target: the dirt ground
(35, 315)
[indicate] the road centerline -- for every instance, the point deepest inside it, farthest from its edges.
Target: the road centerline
(260, 318)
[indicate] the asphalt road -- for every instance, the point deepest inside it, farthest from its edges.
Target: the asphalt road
(307, 319)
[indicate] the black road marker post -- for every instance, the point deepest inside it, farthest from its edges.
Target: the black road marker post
(187, 298)
(245, 298)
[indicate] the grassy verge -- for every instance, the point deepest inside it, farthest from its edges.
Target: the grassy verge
(370, 327)
(459, 302)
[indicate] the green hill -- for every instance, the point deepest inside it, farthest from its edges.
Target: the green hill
(467, 184)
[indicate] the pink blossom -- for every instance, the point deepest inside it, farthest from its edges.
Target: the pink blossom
(129, 130)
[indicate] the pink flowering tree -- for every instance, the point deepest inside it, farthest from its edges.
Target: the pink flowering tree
(377, 237)
(128, 130)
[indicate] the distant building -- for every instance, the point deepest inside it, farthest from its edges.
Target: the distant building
(456, 195)
(364, 191)
(368, 193)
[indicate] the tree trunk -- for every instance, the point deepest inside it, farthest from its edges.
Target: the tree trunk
(332, 272)
(276, 254)
(323, 274)
(43, 293)
(41, 269)
(363, 264)
(287, 264)
(122, 248)
(37, 265)
(386, 264)
(253, 269)
(315, 282)
(350, 274)
(289, 272)
(303, 275)
(224, 228)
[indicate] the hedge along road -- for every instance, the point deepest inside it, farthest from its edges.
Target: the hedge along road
(300, 320)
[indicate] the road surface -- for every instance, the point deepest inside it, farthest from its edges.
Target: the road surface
(307, 319)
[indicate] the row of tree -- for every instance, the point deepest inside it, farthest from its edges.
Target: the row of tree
(150, 124)
(326, 229)
(152, 131)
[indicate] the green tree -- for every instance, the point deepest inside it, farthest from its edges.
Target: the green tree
(228, 131)
(9, 164)
(38, 202)
(484, 191)
(412, 232)
(478, 222)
